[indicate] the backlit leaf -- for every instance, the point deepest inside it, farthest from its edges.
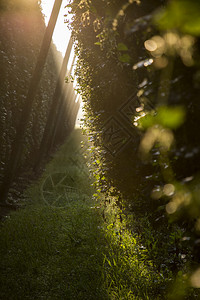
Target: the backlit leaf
(180, 14)
(171, 117)
(167, 117)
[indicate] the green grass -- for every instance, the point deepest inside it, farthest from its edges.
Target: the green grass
(60, 247)
(51, 254)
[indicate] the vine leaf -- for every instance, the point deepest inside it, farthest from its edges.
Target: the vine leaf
(125, 58)
(122, 47)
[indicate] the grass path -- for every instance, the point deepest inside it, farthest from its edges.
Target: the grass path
(60, 247)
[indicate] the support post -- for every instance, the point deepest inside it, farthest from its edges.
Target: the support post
(57, 98)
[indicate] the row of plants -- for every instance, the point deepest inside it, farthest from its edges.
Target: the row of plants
(22, 29)
(138, 72)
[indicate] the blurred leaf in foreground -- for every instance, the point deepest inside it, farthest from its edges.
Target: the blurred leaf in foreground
(167, 117)
(183, 15)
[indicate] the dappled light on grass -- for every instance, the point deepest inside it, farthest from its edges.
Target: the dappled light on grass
(129, 273)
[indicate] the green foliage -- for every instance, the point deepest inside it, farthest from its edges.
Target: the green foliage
(169, 117)
(51, 253)
(22, 29)
(122, 47)
(129, 273)
(180, 15)
(125, 58)
(160, 67)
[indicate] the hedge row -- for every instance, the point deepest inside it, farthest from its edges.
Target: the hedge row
(22, 29)
(138, 71)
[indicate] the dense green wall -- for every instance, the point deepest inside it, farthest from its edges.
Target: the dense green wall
(142, 111)
(21, 32)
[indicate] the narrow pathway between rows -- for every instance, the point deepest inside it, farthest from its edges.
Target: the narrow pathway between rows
(64, 244)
